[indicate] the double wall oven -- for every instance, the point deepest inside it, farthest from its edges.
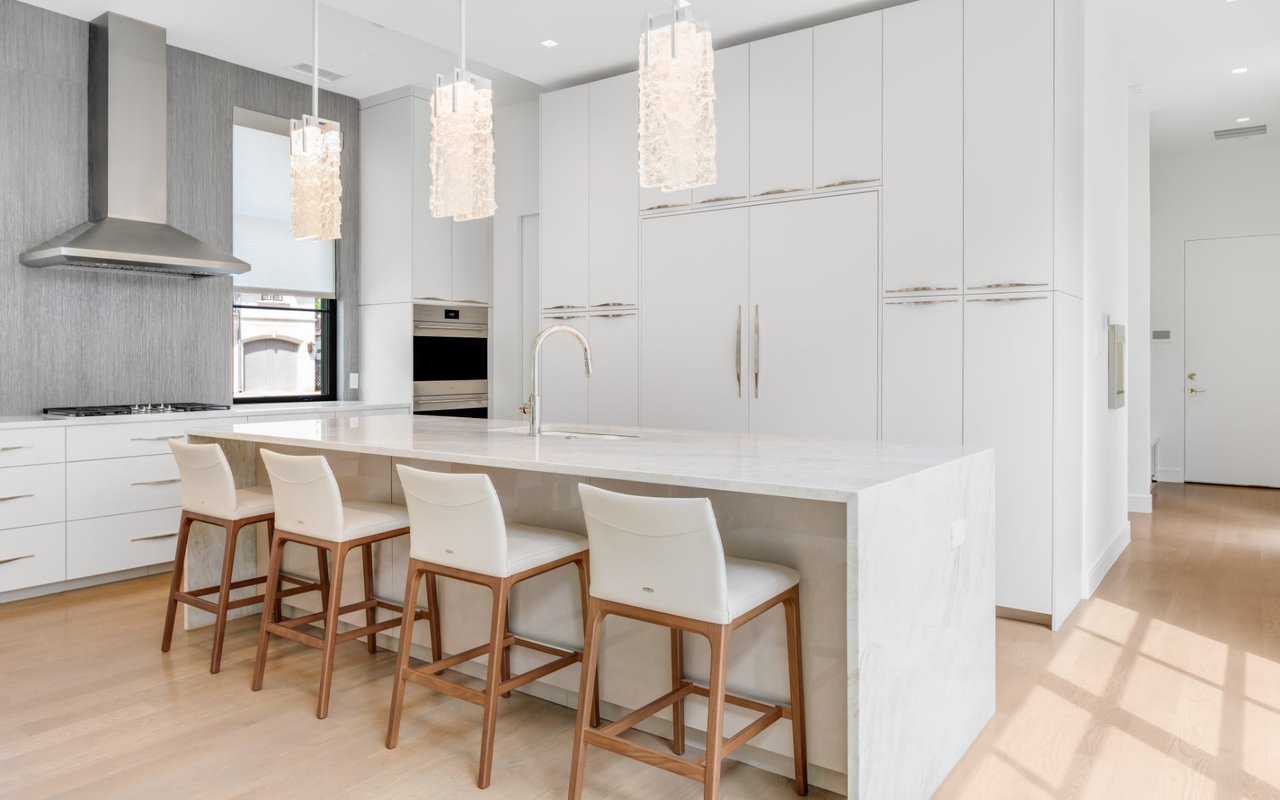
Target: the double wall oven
(451, 361)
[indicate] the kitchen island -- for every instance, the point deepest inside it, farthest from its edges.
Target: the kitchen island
(894, 545)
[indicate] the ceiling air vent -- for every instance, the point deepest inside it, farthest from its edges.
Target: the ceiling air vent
(1240, 133)
(329, 76)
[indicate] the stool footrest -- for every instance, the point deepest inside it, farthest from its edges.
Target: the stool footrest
(644, 712)
(377, 627)
(743, 702)
(474, 696)
(516, 681)
(198, 602)
(688, 769)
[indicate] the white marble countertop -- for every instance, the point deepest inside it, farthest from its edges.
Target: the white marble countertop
(815, 469)
(242, 410)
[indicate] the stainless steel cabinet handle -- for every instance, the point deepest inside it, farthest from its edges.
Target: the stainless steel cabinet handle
(15, 558)
(773, 192)
(614, 304)
(664, 206)
(7, 448)
(157, 438)
(1008, 286)
(15, 497)
(1004, 299)
(923, 289)
(616, 316)
(757, 354)
(737, 351)
(561, 308)
(1194, 390)
(1191, 376)
(161, 482)
(154, 537)
(473, 302)
(567, 316)
(920, 302)
(723, 199)
(848, 182)
(432, 297)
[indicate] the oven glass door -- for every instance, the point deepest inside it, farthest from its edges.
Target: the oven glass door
(450, 358)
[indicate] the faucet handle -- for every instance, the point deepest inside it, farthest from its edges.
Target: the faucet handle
(524, 409)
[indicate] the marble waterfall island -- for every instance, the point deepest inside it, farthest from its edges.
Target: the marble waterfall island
(894, 545)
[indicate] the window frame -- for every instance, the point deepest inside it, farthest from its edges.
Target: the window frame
(328, 355)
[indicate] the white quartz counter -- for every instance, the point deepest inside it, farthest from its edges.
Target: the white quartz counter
(242, 410)
(812, 469)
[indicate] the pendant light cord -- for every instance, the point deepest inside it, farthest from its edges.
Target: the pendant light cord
(462, 33)
(315, 58)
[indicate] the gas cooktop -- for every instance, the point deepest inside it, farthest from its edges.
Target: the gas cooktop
(116, 411)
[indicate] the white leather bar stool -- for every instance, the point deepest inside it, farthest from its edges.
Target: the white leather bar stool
(660, 560)
(310, 511)
(209, 495)
(458, 531)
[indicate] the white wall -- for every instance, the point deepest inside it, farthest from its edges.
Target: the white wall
(1233, 190)
(515, 133)
(1138, 388)
(1106, 282)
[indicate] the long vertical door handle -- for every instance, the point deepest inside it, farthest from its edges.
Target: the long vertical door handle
(737, 352)
(757, 353)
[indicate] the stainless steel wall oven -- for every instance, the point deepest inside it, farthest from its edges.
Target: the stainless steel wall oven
(451, 361)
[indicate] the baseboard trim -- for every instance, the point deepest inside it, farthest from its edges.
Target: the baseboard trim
(1108, 559)
(1018, 615)
(1140, 504)
(83, 583)
(1169, 475)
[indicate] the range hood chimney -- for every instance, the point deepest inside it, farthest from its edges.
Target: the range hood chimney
(128, 165)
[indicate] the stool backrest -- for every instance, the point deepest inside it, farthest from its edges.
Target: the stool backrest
(208, 486)
(658, 553)
(308, 501)
(455, 520)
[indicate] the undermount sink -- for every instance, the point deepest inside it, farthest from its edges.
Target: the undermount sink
(563, 434)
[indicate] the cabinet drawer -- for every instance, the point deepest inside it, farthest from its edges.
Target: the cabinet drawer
(110, 544)
(120, 440)
(23, 446)
(32, 495)
(32, 556)
(121, 486)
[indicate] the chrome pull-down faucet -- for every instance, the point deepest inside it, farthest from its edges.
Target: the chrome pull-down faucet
(535, 380)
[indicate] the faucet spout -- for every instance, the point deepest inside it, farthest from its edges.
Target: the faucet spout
(535, 378)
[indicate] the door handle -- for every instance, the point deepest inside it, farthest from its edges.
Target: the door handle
(757, 353)
(15, 497)
(737, 351)
(10, 447)
(1191, 376)
(1194, 390)
(154, 537)
(15, 558)
(161, 482)
(156, 438)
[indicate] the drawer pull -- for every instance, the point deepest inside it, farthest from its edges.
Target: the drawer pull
(849, 182)
(153, 537)
(567, 316)
(616, 316)
(15, 558)
(723, 199)
(1007, 286)
(922, 289)
(15, 497)
(614, 304)
(474, 302)
(7, 448)
(157, 438)
(664, 206)
(773, 192)
(920, 302)
(1005, 299)
(161, 482)
(561, 308)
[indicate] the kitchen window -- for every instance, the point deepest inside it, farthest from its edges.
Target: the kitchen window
(284, 335)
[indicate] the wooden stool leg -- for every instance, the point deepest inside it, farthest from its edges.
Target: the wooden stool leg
(677, 677)
(273, 581)
(433, 612)
(584, 582)
(224, 596)
(370, 613)
(332, 612)
(497, 637)
(586, 697)
(402, 659)
(175, 583)
(796, 669)
(322, 572)
(715, 711)
(506, 651)
(277, 609)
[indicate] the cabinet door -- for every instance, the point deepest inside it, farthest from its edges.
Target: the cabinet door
(814, 325)
(782, 114)
(733, 129)
(614, 387)
(432, 237)
(565, 168)
(1008, 405)
(614, 231)
(693, 342)
(923, 146)
(1008, 146)
(473, 261)
(564, 378)
(922, 371)
(846, 101)
(386, 203)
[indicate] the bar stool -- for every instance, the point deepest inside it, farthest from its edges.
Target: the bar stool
(209, 495)
(458, 531)
(660, 560)
(310, 511)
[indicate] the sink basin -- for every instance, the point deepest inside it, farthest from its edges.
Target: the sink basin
(554, 433)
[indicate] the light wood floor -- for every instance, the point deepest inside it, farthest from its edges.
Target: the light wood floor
(1165, 684)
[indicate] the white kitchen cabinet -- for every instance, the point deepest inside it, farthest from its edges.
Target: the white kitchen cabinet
(733, 129)
(32, 556)
(565, 393)
(814, 327)
(121, 486)
(23, 446)
(613, 231)
(614, 387)
(34, 495)
(693, 341)
(432, 241)
(847, 77)
(923, 175)
(386, 202)
(1009, 405)
(127, 541)
(473, 261)
(565, 209)
(922, 371)
(1008, 144)
(782, 114)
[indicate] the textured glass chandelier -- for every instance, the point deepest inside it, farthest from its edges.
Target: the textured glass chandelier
(677, 102)
(315, 160)
(462, 141)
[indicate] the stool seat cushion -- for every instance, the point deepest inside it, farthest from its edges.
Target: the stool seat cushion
(529, 546)
(753, 582)
(360, 518)
(254, 502)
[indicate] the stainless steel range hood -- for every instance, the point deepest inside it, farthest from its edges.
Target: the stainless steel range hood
(128, 165)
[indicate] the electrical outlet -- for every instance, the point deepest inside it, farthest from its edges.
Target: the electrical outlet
(957, 533)
(353, 380)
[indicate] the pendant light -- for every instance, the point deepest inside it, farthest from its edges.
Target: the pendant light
(315, 160)
(462, 141)
(677, 102)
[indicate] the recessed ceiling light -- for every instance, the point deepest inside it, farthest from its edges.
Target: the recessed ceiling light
(1239, 70)
(1241, 119)
(550, 43)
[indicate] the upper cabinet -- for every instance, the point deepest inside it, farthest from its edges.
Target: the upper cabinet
(1008, 144)
(472, 277)
(733, 129)
(613, 231)
(847, 77)
(565, 182)
(782, 114)
(923, 147)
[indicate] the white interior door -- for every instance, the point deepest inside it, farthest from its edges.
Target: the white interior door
(1233, 361)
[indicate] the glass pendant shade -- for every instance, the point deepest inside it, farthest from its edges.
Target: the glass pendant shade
(677, 105)
(462, 148)
(315, 163)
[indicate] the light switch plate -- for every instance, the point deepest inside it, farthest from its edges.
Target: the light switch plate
(353, 380)
(957, 533)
